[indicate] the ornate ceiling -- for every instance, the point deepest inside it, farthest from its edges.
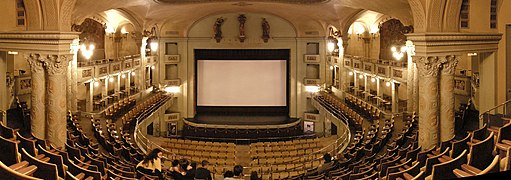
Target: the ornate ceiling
(214, 1)
(301, 13)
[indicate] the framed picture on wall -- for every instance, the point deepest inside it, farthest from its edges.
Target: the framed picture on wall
(172, 129)
(308, 127)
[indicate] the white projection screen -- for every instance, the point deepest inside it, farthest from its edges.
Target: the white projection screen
(241, 83)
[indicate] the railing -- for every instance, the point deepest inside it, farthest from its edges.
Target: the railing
(501, 108)
(140, 139)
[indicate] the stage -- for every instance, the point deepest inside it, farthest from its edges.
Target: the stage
(241, 119)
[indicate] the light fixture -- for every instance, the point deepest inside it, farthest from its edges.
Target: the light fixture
(111, 79)
(361, 76)
(123, 76)
(124, 33)
(96, 83)
(152, 67)
(312, 89)
(87, 51)
(172, 89)
(350, 73)
(133, 73)
(331, 68)
(471, 54)
(387, 84)
(398, 54)
(332, 46)
(373, 79)
(12, 52)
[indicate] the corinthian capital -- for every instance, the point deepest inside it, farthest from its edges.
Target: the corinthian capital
(57, 64)
(449, 64)
(36, 62)
(428, 66)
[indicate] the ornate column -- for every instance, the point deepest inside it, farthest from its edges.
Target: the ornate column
(38, 96)
(428, 101)
(395, 97)
(56, 66)
(415, 88)
(447, 97)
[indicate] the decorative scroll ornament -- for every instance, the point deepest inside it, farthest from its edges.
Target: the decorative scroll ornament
(449, 64)
(57, 65)
(428, 67)
(217, 29)
(266, 30)
(36, 63)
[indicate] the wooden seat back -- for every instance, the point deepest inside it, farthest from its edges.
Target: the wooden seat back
(8, 173)
(445, 170)
(28, 144)
(9, 151)
(44, 170)
(480, 134)
(459, 146)
(7, 132)
(481, 153)
(493, 167)
(75, 169)
(414, 170)
(54, 159)
(434, 160)
(504, 133)
(422, 156)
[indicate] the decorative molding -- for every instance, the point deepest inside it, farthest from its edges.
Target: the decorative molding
(36, 63)
(428, 66)
(311, 117)
(57, 65)
(44, 42)
(449, 64)
(439, 44)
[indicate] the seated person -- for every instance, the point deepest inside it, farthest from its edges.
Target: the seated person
(327, 165)
(238, 173)
(203, 173)
(151, 164)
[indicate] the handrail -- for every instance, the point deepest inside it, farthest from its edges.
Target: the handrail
(241, 126)
(494, 108)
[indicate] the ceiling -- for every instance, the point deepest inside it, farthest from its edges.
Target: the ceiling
(183, 13)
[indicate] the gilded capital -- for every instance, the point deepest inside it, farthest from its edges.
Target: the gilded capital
(36, 62)
(449, 64)
(57, 64)
(428, 66)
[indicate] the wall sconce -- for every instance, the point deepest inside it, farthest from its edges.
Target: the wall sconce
(398, 54)
(87, 49)
(332, 46)
(152, 41)
(350, 73)
(374, 35)
(123, 76)
(387, 84)
(111, 79)
(373, 79)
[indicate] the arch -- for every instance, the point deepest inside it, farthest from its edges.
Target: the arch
(452, 16)
(66, 12)
(50, 12)
(34, 15)
(419, 15)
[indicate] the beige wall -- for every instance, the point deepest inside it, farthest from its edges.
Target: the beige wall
(8, 16)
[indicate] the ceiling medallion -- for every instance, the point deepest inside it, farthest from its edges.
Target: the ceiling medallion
(242, 3)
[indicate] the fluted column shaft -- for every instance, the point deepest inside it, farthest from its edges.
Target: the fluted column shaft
(415, 88)
(56, 67)
(428, 101)
(38, 96)
(447, 122)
